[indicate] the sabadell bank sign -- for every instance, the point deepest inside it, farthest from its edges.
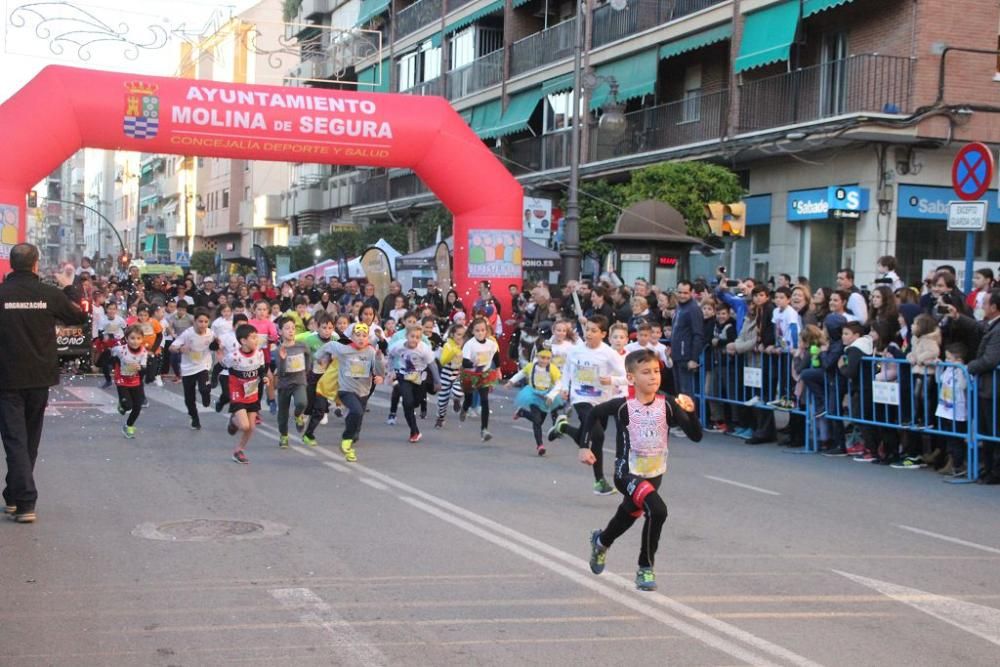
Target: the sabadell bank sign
(836, 201)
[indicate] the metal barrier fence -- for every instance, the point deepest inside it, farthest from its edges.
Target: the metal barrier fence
(890, 401)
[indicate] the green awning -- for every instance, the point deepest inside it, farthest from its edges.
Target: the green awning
(155, 243)
(518, 3)
(768, 36)
(560, 84)
(810, 7)
(519, 111)
(369, 10)
(491, 8)
(370, 76)
(485, 118)
(436, 39)
(698, 40)
(636, 77)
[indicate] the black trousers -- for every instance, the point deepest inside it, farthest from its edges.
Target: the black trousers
(654, 509)
(596, 437)
(191, 382)
(355, 413)
(131, 399)
(412, 394)
(22, 412)
(484, 405)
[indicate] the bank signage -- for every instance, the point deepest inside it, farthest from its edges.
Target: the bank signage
(926, 202)
(834, 202)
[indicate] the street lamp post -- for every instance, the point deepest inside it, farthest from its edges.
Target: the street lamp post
(613, 120)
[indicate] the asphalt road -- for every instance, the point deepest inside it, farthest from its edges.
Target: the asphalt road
(458, 552)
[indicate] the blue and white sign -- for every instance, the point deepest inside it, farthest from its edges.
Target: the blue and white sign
(928, 202)
(182, 258)
(836, 201)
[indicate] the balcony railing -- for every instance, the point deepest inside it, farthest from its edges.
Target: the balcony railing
(481, 73)
(698, 118)
(862, 83)
(611, 25)
(543, 47)
(371, 191)
(406, 185)
(432, 87)
(548, 151)
(417, 15)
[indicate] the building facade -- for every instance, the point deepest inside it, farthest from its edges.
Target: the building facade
(816, 104)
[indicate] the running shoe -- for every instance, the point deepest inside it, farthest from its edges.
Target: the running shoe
(415, 437)
(462, 415)
(23, 517)
(158, 381)
(391, 419)
(231, 427)
(867, 457)
(272, 406)
(338, 412)
(325, 420)
(206, 397)
(909, 463)
(752, 401)
(346, 445)
(219, 405)
(602, 488)
(9, 509)
(308, 441)
(300, 423)
(456, 404)
(556, 430)
(834, 452)
(645, 579)
(128, 431)
(423, 414)
(485, 435)
(121, 409)
(677, 432)
(240, 457)
(351, 456)
(598, 553)
(439, 423)
(195, 424)
(540, 450)
(145, 402)
(256, 419)
(283, 441)
(856, 450)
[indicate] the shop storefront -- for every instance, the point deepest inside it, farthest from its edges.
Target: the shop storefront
(829, 233)
(922, 234)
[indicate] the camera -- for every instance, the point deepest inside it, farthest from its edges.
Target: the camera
(941, 310)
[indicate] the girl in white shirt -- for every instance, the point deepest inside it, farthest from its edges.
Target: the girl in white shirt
(480, 372)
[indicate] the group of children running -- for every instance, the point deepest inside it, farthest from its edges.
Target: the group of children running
(302, 364)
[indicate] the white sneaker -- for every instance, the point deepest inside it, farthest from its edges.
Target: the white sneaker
(677, 432)
(158, 381)
(324, 420)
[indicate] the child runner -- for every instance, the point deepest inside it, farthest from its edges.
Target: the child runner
(408, 320)
(111, 331)
(562, 342)
(300, 315)
(177, 324)
(227, 345)
(246, 372)
(268, 336)
(293, 360)
(412, 358)
(359, 369)
(129, 361)
(221, 327)
(641, 451)
(316, 404)
(533, 402)
(594, 373)
(195, 347)
(480, 372)
(152, 336)
(451, 367)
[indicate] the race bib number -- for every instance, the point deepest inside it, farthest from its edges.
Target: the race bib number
(412, 377)
(196, 356)
(483, 359)
(543, 382)
(648, 438)
(147, 329)
(357, 368)
(648, 466)
(130, 369)
(295, 363)
(559, 360)
(244, 391)
(318, 367)
(586, 375)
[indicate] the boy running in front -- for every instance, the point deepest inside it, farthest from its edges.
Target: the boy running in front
(129, 361)
(413, 358)
(246, 372)
(640, 459)
(195, 347)
(293, 359)
(359, 369)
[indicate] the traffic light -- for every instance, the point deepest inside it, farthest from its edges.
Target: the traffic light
(715, 212)
(736, 222)
(124, 260)
(32, 199)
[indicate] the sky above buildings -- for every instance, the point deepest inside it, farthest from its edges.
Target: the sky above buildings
(135, 36)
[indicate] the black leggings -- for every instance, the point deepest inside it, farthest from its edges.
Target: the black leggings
(394, 399)
(596, 437)
(537, 418)
(130, 399)
(199, 380)
(355, 405)
(484, 405)
(412, 395)
(653, 508)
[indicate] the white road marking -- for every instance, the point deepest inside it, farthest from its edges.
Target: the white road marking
(742, 485)
(518, 427)
(314, 611)
(339, 467)
(953, 540)
(107, 403)
(984, 622)
(302, 450)
(373, 483)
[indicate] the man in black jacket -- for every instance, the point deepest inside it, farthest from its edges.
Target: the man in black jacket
(29, 365)
(983, 367)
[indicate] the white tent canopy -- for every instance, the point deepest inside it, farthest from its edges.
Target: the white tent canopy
(328, 267)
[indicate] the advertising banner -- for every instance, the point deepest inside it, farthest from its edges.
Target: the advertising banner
(538, 220)
(442, 262)
(494, 254)
(375, 264)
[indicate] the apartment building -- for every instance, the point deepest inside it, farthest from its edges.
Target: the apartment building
(841, 117)
(56, 224)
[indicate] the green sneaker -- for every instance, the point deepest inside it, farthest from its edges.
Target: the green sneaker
(645, 579)
(283, 441)
(121, 410)
(128, 431)
(347, 447)
(602, 488)
(598, 553)
(309, 441)
(556, 430)
(300, 423)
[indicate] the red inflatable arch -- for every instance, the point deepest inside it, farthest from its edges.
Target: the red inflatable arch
(64, 109)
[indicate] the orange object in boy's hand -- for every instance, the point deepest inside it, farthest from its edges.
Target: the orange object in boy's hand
(684, 402)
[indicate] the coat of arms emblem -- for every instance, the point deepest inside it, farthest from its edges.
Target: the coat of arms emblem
(142, 110)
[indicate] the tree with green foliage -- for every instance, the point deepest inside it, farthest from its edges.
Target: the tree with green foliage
(687, 186)
(203, 262)
(600, 205)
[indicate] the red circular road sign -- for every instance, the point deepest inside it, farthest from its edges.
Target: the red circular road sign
(972, 171)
